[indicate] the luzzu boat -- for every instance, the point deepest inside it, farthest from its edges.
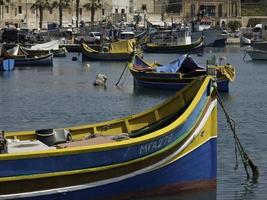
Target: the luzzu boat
(22, 58)
(196, 46)
(178, 73)
(168, 148)
(117, 51)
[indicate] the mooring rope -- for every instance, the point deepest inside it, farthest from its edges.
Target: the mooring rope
(245, 54)
(122, 74)
(238, 146)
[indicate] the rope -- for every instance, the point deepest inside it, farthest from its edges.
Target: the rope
(244, 55)
(122, 74)
(238, 146)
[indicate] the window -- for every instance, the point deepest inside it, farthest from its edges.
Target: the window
(70, 11)
(143, 6)
(33, 11)
(103, 11)
(20, 9)
(16, 11)
(116, 10)
(7, 9)
(220, 11)
(50, 11)
(122, 11)
(81, 11)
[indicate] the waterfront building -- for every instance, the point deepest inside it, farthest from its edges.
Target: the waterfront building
(20, 13)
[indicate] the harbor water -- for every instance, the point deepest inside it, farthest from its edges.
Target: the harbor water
(64, 95)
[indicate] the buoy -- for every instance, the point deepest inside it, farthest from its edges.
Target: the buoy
(74, 58)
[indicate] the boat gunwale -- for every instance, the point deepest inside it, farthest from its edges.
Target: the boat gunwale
(116, 145)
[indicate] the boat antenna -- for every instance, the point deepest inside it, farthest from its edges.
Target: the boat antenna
(238, 146)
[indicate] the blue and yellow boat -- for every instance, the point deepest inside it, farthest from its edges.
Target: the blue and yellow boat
(168, 148)
(178, 73)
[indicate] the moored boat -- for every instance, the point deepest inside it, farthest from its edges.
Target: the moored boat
(196, 46)
(116, 51)
(46, 48)
(177, 74)
(22, 58)
(256, 54)
(173, 143)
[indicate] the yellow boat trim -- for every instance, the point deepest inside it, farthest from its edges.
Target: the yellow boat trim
(104, 147)
(209, 125)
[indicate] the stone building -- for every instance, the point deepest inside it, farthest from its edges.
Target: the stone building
(19, 12)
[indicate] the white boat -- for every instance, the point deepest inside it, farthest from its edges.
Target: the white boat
(256, 54)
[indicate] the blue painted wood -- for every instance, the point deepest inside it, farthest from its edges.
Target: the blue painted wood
(199, 165)
(95, 159)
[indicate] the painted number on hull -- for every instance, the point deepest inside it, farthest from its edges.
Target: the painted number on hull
(155, 145)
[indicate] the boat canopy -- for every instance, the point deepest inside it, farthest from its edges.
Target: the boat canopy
(185, 63)
(123, 46)
(54, 44)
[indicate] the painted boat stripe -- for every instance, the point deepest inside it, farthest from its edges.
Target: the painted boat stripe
(153, 167)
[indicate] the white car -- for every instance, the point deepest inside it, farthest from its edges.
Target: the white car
(92, 37)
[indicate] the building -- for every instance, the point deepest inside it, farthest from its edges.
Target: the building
(21, 14)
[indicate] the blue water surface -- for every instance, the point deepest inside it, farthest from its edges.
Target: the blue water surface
(64, 95)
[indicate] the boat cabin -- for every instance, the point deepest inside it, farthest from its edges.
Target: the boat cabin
(126, 35)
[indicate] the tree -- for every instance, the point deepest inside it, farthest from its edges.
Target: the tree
(61, 4)
(41, 5)
(93, 5)
(234, 25)
(77, 12)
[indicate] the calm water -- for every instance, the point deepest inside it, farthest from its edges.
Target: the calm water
(64, 95)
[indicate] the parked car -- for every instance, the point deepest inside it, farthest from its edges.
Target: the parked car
(92, 37)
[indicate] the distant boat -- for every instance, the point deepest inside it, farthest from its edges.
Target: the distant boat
(116, 51)
(256, 54)
(46, 48)
(174, 48)
(22, 58)
(168, 148)
(177, 74)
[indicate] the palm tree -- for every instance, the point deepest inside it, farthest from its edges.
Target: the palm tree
(41, 5)
(77, 12)
(61, 4)
(93, 5)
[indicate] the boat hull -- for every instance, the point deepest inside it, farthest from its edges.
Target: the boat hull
(88, 56)
(175, 152)
(257, 54)
(196, 170)
(40, 61)
(190, 48)
(172, 83)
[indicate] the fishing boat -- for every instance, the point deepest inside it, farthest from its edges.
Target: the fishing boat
(196, 46)
(22, 58)
(173, 144)
(256, 54)
(6, 64)
(170, 47)
(46, 48)
(116, 51)
(177, 74)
